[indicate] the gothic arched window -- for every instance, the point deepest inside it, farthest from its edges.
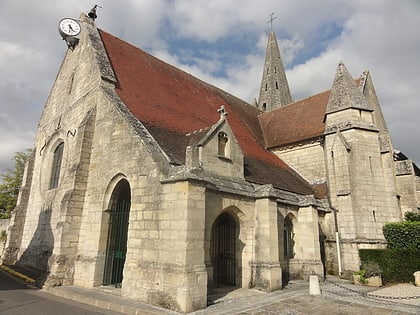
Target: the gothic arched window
(56, 165)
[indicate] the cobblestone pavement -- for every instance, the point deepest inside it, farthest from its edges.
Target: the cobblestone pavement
(338, 296)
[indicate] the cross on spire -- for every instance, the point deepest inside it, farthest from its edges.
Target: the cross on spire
(272, 18)
(222, 112)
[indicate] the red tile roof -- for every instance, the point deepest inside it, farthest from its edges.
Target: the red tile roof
(298, 121)
(172, 103)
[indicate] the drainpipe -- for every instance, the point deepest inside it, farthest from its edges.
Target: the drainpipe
(337, 240)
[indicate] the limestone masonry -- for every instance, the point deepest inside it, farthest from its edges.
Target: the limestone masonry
(150, 180)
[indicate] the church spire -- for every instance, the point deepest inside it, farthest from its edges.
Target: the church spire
(345, 93)
(274, 90)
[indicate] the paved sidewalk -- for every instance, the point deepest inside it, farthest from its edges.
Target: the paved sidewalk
(338, 297)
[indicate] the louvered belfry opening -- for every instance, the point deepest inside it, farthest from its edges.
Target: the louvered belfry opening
(117, 235)
(223, 247)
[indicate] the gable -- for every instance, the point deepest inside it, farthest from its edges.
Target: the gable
(219, 151)
(171, 104)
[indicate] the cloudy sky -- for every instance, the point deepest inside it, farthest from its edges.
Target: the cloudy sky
(222, 42)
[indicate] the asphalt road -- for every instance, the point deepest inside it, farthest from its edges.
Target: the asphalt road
(16, 298)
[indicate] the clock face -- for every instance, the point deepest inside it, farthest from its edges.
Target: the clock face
(69, 27)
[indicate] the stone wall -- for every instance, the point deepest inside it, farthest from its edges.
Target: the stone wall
(307, 159)
(361, 190)
(406, 186)
(51, 230)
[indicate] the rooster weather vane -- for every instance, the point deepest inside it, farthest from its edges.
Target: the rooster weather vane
(92, 12)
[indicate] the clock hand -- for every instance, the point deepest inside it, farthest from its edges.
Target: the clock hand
(71, 28)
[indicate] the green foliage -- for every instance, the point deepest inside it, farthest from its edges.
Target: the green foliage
(403, 235)
(3, 236)
(412, 216)
(397, 265)
(368, 268)
(12, 180)
(362, 274)
(371, 268)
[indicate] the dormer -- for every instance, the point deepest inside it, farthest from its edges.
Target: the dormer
(216, 150)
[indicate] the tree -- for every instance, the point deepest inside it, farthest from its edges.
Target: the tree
(12, 180)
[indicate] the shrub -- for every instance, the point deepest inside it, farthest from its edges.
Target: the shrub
(397, 265)
(371, 268)
(403, 235)
(412, 216)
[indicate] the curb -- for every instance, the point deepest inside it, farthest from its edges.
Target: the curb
(18, 275)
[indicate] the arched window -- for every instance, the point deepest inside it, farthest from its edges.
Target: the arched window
(56, 166)
(222, 142)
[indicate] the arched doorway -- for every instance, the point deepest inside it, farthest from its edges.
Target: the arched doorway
(288, 239)
(116, 247)
(288, 244)
(222, 251)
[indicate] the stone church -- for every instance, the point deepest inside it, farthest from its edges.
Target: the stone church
(150, 180)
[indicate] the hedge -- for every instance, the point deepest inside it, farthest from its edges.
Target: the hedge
(397, 265)
(402, 235)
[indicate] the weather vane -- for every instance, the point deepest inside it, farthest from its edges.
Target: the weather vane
(272, 18)
(92, 12)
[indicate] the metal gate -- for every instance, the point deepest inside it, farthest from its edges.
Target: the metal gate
(223, 250)
(116, 248)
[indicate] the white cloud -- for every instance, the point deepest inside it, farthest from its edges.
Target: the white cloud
(379, 35)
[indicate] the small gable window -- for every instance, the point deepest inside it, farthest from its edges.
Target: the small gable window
(222, 143)
(56, 166)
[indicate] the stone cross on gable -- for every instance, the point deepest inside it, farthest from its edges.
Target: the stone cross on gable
(222, 112)
(272, 18)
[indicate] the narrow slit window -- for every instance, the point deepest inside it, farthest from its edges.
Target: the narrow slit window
(222, 142)
(71, 83)
(277, 85)
(56, 166)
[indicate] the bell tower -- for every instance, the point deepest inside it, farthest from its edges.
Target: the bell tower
(274, 90)
(360, 185)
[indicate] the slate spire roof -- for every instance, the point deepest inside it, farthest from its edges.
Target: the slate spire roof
(173, 104)
(304, 120)
(345, 93)
(274, 90)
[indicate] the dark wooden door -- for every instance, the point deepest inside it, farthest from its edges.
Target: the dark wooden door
(223, 244)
